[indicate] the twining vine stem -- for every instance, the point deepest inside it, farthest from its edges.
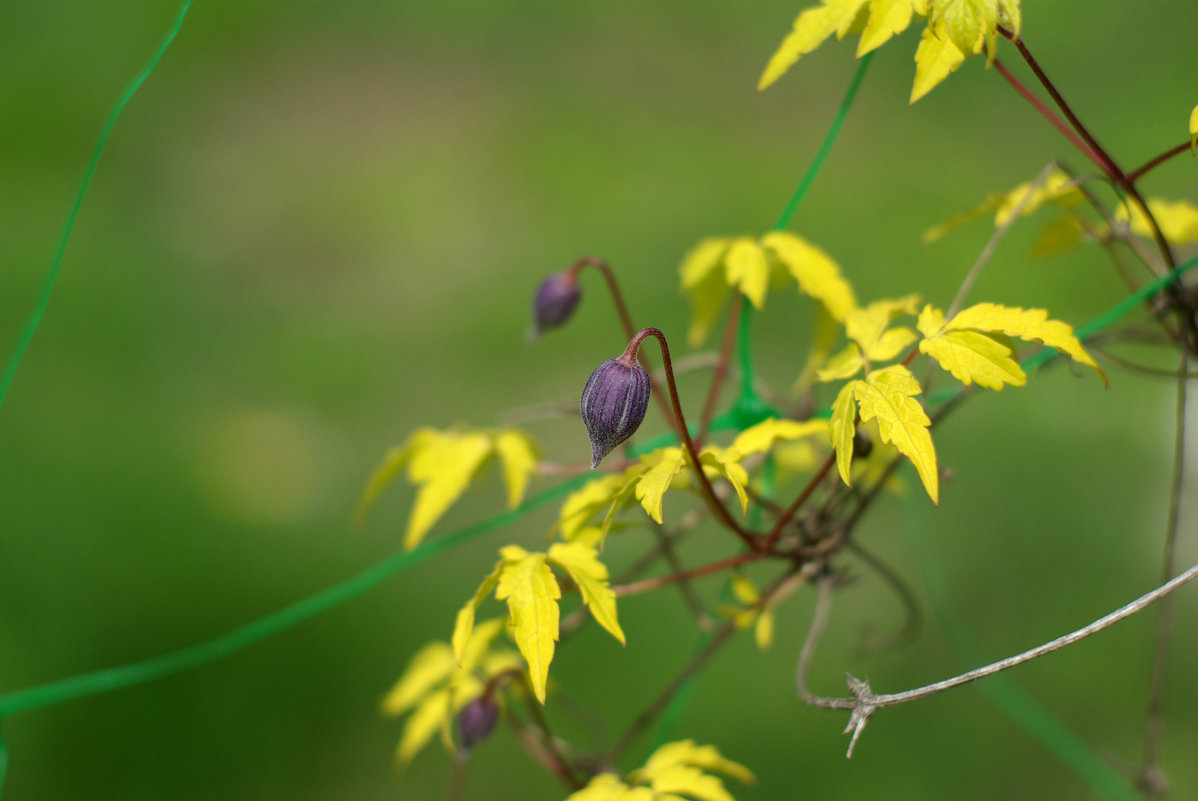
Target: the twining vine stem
(617, 298)
(864, 702)
(704, 483)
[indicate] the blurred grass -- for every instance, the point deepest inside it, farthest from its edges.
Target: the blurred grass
(318, 226)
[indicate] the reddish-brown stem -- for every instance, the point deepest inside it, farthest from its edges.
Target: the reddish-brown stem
(1040, 106)
(1155, 162)
(617, 299)
(705, 488)
(1102, 158)
(1105, 161)
(648, 585)
(793, 509)
(721, 370)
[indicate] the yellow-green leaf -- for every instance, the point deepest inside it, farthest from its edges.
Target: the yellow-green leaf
(691, 781)
(724, 462)
(972, 357)
(583, 565)
(463, 626)
(842, 426)
(825, 331)
(816, 272)
(744, 589)
(603, 787)
(431, 715)
(888, 395)
(1057, 188)
(763, 630)
(761, 437)
(748, 270)
(966, 22)
(1194, 130)
(443, 470)
(652, 485)
(1010, 16)
(707, 298)
(1063, 233)
(1032, 325)
(429, 667)
(1178, 220)
(518, 457)
(868, 327)
(685, 752)
(936, 57)
(887, 18)
(393, 462)
(702, 261)
(587, 501)
(811, 28)
(957, 220)
(845, 364)
(531, 592)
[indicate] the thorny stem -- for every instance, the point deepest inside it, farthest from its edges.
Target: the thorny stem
(648, 585)
(721, 370)
(1040, 106)
(1156, 161)
(1150, 778)
(865, 702)
(708, 492)
(617, 298)
(793, 509)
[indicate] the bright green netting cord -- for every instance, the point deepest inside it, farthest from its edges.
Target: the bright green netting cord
(43, 300)
(138, 672)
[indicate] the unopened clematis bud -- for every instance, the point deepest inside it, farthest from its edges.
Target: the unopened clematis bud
(476, 720)
(554, 302)
(613, 403)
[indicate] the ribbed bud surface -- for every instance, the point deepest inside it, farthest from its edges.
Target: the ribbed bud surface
(613, 405)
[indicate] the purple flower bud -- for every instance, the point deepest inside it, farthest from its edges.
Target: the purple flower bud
(613, 404)
(554, 302)
(476, 720)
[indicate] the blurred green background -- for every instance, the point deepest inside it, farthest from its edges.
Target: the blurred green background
(318, 226)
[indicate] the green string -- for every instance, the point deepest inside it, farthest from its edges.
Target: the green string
(750, 408)
(43, 300)
(148, 670)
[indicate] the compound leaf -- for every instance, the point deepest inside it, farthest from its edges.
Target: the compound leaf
(583, 565)
(888, 395)
(748, 270)
(651, 487)
(887, 18)
(725, 462)
(518, 457)
(1194, 130)
(970, 356)
(761, 437)
(430, 666)
(1178, 220)
(463, 626)
(842, 426)
(935, 59)
(531, 592)
(686, 753)
(1032, 325)
(428, 718)
(816, 272)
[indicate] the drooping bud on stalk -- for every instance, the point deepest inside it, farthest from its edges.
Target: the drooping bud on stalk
(476, 719)
(614, 402)
(554, 302)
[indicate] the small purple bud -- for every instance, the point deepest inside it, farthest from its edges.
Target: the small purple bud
(554, 302)
(476, 720)
(613, 404)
